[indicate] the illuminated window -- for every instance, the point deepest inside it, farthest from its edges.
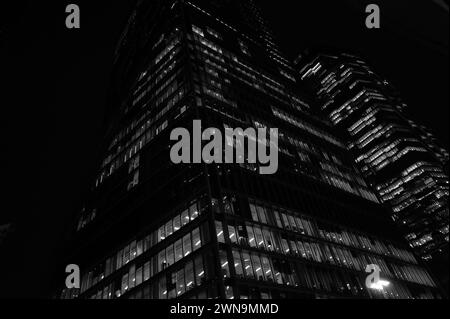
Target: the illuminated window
(181, 288)
(193, 210)
(125, 286)
(179, 250)
(262, 214)
(170, 255)
(162, 233)
(139, 276)
(259, 237)
(248, 267)
(189, 271)
(199, 270)
(147, 271)
(233, 235)
(163, 288)
(185, 219)
(254, 213)
(196, 239)
(229, 292)
(267, 268)
(162, 262)
(238, 264)
(169, 228)
(219, 231)
(176, 223)
(224, 264)
(187, 245)
(198, 31)
(251, 237)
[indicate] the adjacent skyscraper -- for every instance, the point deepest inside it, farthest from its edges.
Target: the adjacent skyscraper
(402, 160)
(154, 229)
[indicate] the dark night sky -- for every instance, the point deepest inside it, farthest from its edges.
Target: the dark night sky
(54, 84)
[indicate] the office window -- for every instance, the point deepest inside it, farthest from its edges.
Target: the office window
(139, 276)
(181, 289)
(328, 254)
(238, 264)
(132, 277)
(162, 262)
(259, 237)
(187, 245)
(185, 219)
(258, 267)
(300, 226)
(219, 231)
(169, 228)
(178, 250)
(125, 286)
(189, 273)
(262, 214)
(199, 270)
(285, 246)
(285, 221)
(224, 264)
(251, 237)
(233, 235)
(292, 223)
(254, 213)
(162, 233)
(140, 248)
(198, 31)
(317, 253)
(148, 242)
(170, 255)
(276, 266)
(244, 48)
(193, 211)
(268, 239)
(301, 249)
(126, 255)
(172, 285)
(163, 288)
(267, 268)
(133, 250)
(308, 250)
(108, 267)
(278, 219)
(196, 239)
(147, 271)
(248, 267)
(214, 33)
(294, 247)
(176, 223)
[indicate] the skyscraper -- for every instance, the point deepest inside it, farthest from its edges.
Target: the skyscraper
(154, 229)
(403, 161)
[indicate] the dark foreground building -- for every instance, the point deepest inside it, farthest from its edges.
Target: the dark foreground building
(156, 230)
(402, 160)
(5, 231)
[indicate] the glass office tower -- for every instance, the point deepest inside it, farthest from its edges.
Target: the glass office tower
(156, 230)
(403, 161)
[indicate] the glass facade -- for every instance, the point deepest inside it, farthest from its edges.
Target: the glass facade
(403, 161)
(155, 230)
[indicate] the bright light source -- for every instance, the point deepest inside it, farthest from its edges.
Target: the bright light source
(380, 285)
